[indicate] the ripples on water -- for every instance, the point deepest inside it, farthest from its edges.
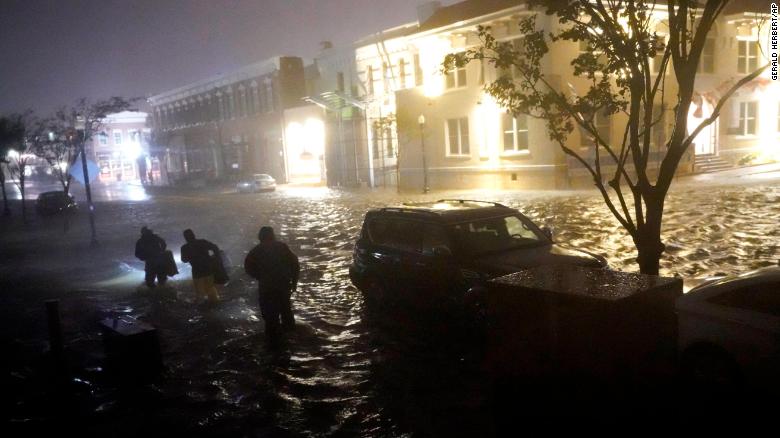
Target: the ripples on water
(344, 373)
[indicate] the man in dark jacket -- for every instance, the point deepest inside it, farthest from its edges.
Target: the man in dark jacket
(151, 249)
(276, 269)
(196, 252)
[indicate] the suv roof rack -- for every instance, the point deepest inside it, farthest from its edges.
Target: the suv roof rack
(408, 210)
(461, 201)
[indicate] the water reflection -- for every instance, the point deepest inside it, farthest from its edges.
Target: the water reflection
(346, 371)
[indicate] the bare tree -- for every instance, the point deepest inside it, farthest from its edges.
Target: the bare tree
(86, 119)
(12, 130)
(51, 140)
(625, 65)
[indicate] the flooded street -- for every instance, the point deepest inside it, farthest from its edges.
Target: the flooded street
(345, 371)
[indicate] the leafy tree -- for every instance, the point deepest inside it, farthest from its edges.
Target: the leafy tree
(625, 65)
(12, 133)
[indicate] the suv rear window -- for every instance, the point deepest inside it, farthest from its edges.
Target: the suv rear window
(396, 233)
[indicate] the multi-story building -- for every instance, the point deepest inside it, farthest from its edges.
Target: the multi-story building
(336, 89)
(470, 142)
(229, 125)
(121, 147)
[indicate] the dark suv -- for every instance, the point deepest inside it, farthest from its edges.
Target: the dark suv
(428, 252)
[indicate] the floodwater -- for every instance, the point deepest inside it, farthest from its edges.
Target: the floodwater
(346, 371)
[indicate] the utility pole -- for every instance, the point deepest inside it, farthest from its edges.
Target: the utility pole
(80, 137)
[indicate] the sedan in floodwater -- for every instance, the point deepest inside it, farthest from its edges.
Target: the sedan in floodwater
(49, 203)
(729, 331)
(259, 182)
(434, 252)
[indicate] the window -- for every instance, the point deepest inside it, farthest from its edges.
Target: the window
(117, 137)
(385, 78)
(585, 47)
(396, 233)
(747, 56)
(418, 72)
(375, 142)
(747, 118)
(659, 57)
(402, 72)
(707, 60)
(103, 138)
(434, 237)
(515, 132)
(658, 130)
(458, 136)
(340, 81)
(370, 80)
(389, 150)
(601, 121)
(762, 298)
(481, 72)
(517, 46)
(255, 100)
(496, 234)
(456, 77)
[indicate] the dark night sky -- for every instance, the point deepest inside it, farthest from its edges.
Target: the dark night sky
(55, 51)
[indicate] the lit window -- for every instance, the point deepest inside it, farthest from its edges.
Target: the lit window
(117, 137)
(418, 72)
(402, 72)
(585, 47)
(458, 136)
(389, 150)
(747, 118)
(375, 142)
(386, 78)
(601, 121)
(659, 57)
(747, 56)
(707, 60)
(370, 80)
(518, 47)
(456, 77)
(515, 132)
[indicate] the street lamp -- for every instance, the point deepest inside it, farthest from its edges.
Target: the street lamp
(421, 121)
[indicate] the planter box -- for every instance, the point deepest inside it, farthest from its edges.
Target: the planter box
(568, 320)
(132, 348)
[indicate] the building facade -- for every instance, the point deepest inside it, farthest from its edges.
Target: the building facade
(228, 126)
(470, 142)
(121, 148)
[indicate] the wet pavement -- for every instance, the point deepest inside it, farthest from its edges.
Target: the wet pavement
(345, 371)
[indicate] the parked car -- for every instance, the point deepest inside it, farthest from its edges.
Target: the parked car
(257, 183)
(49, 203)
(434, 251)
(729, 330)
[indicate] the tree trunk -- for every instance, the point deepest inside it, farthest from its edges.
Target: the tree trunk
(648, 240)
(6, 210)
(21, 189)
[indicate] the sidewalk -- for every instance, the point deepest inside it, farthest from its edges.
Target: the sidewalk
(768, 171)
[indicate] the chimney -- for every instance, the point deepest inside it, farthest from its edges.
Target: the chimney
(426, 11)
